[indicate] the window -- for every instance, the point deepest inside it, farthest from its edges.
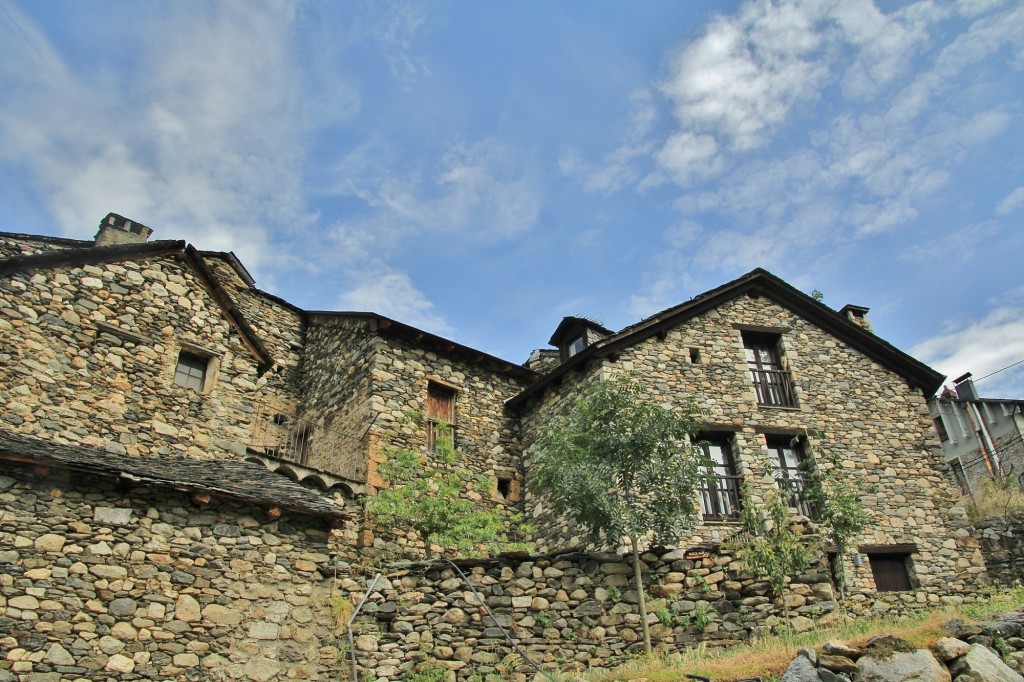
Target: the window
(890, 571)
(440, 413)
(772, 382)
(940, 426)
(574, 347)
(956, 467)
(190, 371)
(789, 466)
(720, 489)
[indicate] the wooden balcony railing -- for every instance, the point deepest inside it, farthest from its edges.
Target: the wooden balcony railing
(773, 387)
(307, 442)
(720, 498)
(793, 492)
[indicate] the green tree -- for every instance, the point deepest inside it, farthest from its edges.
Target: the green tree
(427, 494)
(623, 467)
(769, 546)
(835, 499)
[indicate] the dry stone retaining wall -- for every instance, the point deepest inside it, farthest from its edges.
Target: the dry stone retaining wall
(1002, 543)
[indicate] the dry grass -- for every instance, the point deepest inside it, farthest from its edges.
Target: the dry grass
(999, 498)
(768, 658)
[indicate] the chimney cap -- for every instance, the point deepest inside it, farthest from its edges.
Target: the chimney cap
(116, 229)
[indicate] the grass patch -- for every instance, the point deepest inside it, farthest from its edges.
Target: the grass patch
(1000, 497)
(769, 657)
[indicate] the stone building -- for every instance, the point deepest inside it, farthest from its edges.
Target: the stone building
(182, 456)
(982, 438)
(777, 375)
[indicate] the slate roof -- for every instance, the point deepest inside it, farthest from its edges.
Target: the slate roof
(756, 283)
(235, 479)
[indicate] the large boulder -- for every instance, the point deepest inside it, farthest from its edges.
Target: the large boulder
(914, 666)
(982, 665)
(800, 670)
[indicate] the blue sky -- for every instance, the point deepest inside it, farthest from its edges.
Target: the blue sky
(482, 169)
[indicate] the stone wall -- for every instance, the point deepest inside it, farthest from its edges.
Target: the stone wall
(485, 436)
(1002, 543)
(99, 582)
(337, 385)
(848, 406)
(572, 613)
(89, 355)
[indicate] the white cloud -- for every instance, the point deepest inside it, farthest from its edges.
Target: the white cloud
(392, 293)
(482, 191)
(1011, 202)
(199, 138)
(864, 172)
(686, 157)
(982, 347)
(742, 77)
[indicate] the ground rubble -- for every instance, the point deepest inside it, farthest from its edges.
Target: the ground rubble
(990, 651)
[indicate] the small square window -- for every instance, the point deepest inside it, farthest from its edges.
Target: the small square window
(890, 572)
(190, 371)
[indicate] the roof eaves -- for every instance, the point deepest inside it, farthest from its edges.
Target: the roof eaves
(394, 327)
(759, 282)
(249, 336)
(89, 255)
(251, 483)
(233, 261)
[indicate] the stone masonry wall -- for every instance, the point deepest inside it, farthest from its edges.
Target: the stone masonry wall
(485, 436)
(89, 355)
(1002, 543)
(23, 245)
(879, 428)
(98, 583)
(337, 369)
(570, 613)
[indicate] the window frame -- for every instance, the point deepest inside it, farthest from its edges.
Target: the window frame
(719, 489)
(890, 571)
(434, 418)
(767, 370)
(193, 361)
(791, 479)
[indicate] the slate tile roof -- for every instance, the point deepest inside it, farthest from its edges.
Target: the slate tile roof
(236, 479)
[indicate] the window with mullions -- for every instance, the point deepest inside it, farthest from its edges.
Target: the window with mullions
(789, 466)
(772, 382)
(720, 487)
(190, 371)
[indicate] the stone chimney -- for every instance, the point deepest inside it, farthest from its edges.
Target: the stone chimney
(116, 229)
(857, 314)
